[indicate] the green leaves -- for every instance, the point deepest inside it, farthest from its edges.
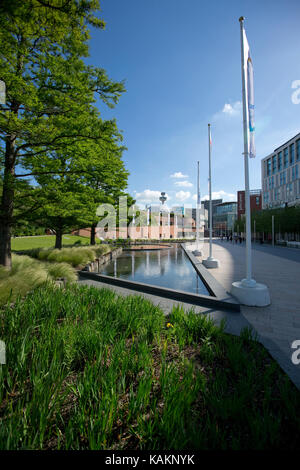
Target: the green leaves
(50, 127)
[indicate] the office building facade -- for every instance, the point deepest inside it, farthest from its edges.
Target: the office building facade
(280, 174)
(224, 218)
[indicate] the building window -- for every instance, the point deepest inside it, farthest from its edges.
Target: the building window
(292, 153)
(293, 173)
(281, 179)
(298, 149)
(285, 157)
(269, 167)
(274, 163)
(296, 172)
(257, 200)
(284, 177)
(280, 161)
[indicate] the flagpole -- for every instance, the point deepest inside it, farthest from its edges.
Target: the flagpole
(210, 262)
(248, 282)
(210, 201)
(248, 291)
(197, 252)
(197, 214)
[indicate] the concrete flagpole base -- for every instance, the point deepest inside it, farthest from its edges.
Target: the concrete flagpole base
(251, 293)
(197, 253)
(211, 263)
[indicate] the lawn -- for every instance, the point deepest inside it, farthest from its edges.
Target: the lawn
(87, 369)
(45, 241)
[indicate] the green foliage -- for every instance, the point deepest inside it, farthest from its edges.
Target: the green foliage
(92, 370)
(28, 273)
(286, 220)
(61, 270)
(76, 256)
(47, 241)
(50, 127)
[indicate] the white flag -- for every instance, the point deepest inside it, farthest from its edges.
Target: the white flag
(248, 73)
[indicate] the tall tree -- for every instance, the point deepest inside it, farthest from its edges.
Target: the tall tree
(50, 91)
(76, 179)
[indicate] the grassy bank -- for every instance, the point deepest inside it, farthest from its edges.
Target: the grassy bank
(44, 264)
(76, 256)
(87, 369)
(28, 273)
(46, 241)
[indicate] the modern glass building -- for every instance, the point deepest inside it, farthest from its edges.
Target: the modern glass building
(280, 174)
(224, 218)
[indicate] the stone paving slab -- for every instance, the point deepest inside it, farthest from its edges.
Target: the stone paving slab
(277, 325)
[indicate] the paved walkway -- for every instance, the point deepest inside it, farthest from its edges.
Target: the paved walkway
(277, 325)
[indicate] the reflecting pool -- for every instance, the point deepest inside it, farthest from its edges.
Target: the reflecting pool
(168, 267)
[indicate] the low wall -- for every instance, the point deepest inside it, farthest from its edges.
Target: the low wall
(105, 258)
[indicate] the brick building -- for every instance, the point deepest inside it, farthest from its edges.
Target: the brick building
(255, 202)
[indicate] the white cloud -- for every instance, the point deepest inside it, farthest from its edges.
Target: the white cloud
(184, 184)
(183, 195)
(227, 197)
(229, 110)
(148, 196)
(178, 175)
(232, 109)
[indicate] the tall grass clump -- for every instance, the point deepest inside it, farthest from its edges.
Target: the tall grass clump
(76, 256)
(88, 369)
(28, 273)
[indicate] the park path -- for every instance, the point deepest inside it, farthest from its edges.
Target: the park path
(277, 325)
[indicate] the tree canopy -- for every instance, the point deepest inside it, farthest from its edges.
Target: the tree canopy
(51, 130)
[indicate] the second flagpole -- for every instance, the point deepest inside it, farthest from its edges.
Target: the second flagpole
(210, 262)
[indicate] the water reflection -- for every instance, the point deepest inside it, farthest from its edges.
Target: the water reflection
(169, 267)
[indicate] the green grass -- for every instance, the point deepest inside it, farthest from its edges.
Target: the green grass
(76, 256)
(87, 369)
(28, 273)
(45, 241)
(42, 265)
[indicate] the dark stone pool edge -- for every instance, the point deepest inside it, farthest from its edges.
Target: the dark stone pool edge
(211, 284)
(181, 296)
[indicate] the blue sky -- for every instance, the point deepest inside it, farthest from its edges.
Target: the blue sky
(181, 66)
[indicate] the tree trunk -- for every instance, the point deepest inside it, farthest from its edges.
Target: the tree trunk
(93, 234)
(58, 239)
(7, 202)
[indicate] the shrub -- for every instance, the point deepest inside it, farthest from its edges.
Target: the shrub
(28, 273)
(61, 270)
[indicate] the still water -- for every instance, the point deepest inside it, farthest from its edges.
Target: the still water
(168, 267)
